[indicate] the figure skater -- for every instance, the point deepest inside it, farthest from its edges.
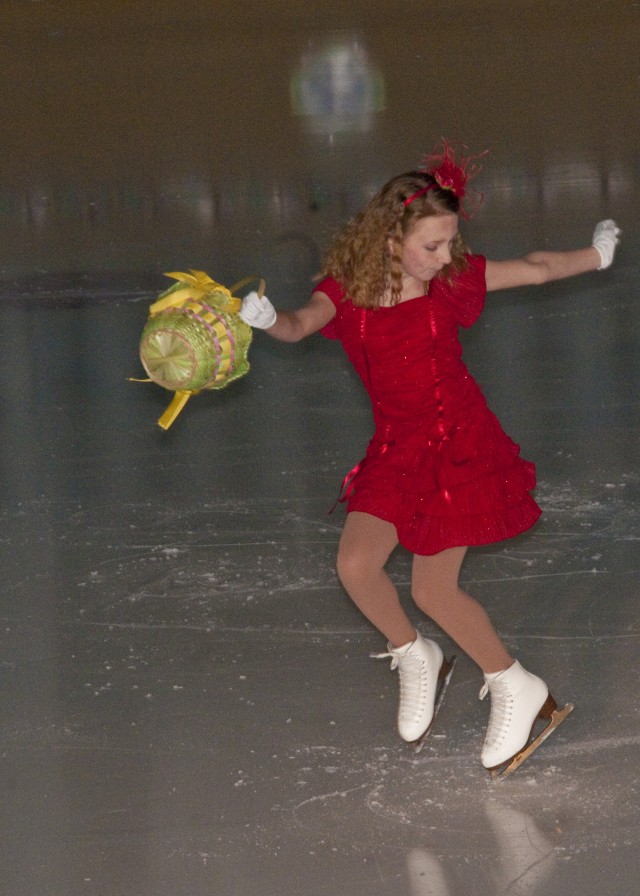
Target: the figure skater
(439, 474)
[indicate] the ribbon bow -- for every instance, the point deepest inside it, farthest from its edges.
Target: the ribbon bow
(195, 285)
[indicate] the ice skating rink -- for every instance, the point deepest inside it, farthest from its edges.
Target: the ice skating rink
(187, 703)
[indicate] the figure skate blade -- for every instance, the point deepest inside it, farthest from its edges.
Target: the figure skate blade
(557, 717)
(444, 677)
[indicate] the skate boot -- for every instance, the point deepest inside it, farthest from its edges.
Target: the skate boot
(424, 675)
(518, 700)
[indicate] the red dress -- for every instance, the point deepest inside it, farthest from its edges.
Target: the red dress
(439, 466)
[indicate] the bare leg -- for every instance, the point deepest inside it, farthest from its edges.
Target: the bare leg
(365, 547)
(436, 591)
(366, 544)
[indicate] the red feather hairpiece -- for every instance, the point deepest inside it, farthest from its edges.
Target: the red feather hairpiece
(452, 174)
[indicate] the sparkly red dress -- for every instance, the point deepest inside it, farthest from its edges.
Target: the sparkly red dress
(439, 466)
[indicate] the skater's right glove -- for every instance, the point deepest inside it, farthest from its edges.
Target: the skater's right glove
(606, 237)
(257, 312)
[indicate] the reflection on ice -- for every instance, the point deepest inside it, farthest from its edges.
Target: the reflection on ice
(125, 222)
(521, 862)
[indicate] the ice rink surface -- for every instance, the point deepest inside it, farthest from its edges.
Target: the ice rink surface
(187, 703)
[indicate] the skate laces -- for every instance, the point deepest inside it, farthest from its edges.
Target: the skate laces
(413, 682)
(501, 710)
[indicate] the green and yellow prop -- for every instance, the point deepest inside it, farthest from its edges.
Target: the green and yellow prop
(194, 338)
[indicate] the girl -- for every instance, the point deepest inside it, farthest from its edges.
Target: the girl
(439, 474)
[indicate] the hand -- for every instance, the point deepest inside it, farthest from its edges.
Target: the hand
(606, 237)
(257, 312)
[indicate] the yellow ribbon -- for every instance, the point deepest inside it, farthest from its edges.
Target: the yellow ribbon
(199, 285)
(180, 398)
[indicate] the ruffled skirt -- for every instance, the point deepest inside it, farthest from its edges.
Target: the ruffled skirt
(468, 486)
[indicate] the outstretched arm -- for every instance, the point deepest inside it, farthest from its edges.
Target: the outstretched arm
(542, 267)
(287, 326)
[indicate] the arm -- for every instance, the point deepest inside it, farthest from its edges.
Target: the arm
(288, 326)
(542, 267)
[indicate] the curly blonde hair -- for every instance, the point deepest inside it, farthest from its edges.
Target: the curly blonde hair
(366, 258)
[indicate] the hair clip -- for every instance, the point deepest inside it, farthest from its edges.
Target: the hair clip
(452, 174)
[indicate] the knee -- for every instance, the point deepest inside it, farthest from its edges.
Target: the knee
(422, 599)
(352, 566)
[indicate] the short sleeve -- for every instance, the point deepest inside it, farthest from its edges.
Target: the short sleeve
(466, 292)
(335, 292)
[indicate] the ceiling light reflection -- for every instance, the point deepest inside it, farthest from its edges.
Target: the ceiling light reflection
(337, 89)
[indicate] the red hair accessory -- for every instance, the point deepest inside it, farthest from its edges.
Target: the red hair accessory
(452, 174)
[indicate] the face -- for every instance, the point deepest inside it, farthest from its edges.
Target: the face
(426, 248)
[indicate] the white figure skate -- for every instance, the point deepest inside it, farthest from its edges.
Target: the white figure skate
(518, 700)
(424, 677)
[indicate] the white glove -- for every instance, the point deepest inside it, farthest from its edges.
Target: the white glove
(606, 237)
(257, 312)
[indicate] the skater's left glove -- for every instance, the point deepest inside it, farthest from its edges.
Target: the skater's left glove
(606, 237)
